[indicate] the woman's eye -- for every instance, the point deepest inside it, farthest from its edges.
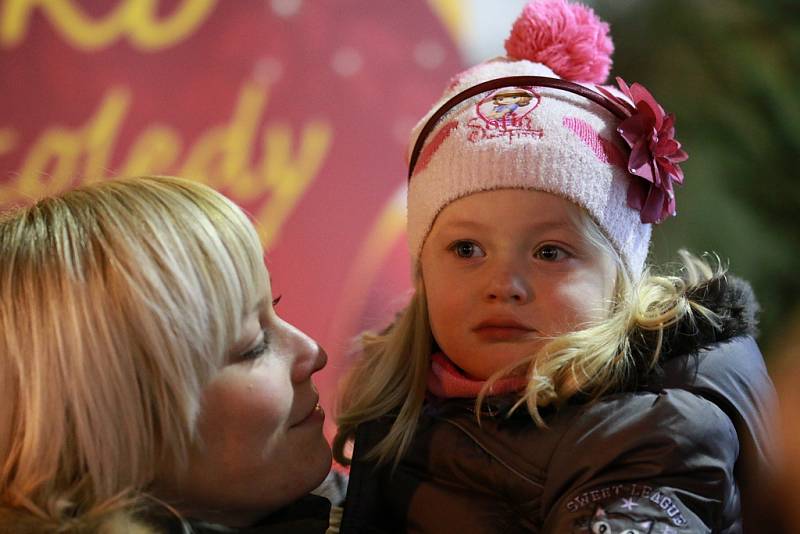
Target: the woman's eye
(276, 300)
(467, 249)
(550, 253)
(258, 350)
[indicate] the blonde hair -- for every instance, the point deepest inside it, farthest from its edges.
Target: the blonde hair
(390, 377)
(118, 302)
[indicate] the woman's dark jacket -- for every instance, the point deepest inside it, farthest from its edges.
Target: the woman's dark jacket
(672, 451)
(308, 515)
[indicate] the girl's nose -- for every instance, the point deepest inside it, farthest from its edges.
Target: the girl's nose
(509, 285)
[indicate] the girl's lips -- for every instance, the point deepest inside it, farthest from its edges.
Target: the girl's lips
(503, 321)
(504, 333)
(504, 328)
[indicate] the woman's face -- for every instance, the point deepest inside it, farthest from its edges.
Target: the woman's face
(260, 435)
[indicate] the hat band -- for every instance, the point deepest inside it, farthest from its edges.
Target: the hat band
(508, 81)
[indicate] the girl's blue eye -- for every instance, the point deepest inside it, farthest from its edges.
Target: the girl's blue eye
(550, 253)
(258, 350)
(467, 249)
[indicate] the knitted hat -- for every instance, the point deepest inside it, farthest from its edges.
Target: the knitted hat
(536, 119)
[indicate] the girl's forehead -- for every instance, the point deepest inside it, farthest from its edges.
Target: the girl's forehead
(503, 207)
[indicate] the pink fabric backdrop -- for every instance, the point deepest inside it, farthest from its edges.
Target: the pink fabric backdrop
(298, 110)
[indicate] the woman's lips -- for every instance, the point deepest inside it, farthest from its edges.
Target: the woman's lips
(315, 416)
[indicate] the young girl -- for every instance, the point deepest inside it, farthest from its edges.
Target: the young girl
(542, 378)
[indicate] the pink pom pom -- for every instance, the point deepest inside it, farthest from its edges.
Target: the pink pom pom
(568, 38)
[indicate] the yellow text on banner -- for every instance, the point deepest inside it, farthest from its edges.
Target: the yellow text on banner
(135, 19)
(221, 156)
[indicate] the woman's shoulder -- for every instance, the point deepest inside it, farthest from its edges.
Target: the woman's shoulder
(23, 522)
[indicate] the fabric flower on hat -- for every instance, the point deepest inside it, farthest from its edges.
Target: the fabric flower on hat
(655, 153)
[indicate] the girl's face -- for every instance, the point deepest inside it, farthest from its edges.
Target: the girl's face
(260, 443)
(506, 270)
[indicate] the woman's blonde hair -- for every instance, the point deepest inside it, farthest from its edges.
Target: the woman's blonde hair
(390, 376)
(118, 302)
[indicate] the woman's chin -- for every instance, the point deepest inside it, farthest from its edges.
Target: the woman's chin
(323, 459)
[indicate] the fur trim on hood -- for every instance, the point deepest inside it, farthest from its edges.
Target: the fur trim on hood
(729, 297)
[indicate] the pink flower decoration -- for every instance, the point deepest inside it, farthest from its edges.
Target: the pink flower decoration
(655, 154)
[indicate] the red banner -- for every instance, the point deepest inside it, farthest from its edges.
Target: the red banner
(297, 110)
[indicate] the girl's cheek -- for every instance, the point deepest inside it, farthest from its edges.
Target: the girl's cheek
(573, 304)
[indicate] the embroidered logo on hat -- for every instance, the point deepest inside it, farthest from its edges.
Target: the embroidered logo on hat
(505, 113)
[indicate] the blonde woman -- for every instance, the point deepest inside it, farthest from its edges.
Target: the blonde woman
(147, 384)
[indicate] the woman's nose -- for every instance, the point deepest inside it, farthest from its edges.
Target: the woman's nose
(309, 357)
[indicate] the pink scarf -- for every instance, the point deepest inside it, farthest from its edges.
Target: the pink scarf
(445, 380)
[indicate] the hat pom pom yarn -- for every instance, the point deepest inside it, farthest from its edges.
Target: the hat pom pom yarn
(568, 38)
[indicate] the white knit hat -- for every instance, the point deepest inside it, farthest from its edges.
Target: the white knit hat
(514, 123)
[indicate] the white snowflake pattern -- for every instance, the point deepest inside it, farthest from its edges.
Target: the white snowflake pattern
(347, 61)
(286, 8)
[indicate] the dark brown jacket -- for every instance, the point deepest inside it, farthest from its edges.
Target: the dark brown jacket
(670, 452)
